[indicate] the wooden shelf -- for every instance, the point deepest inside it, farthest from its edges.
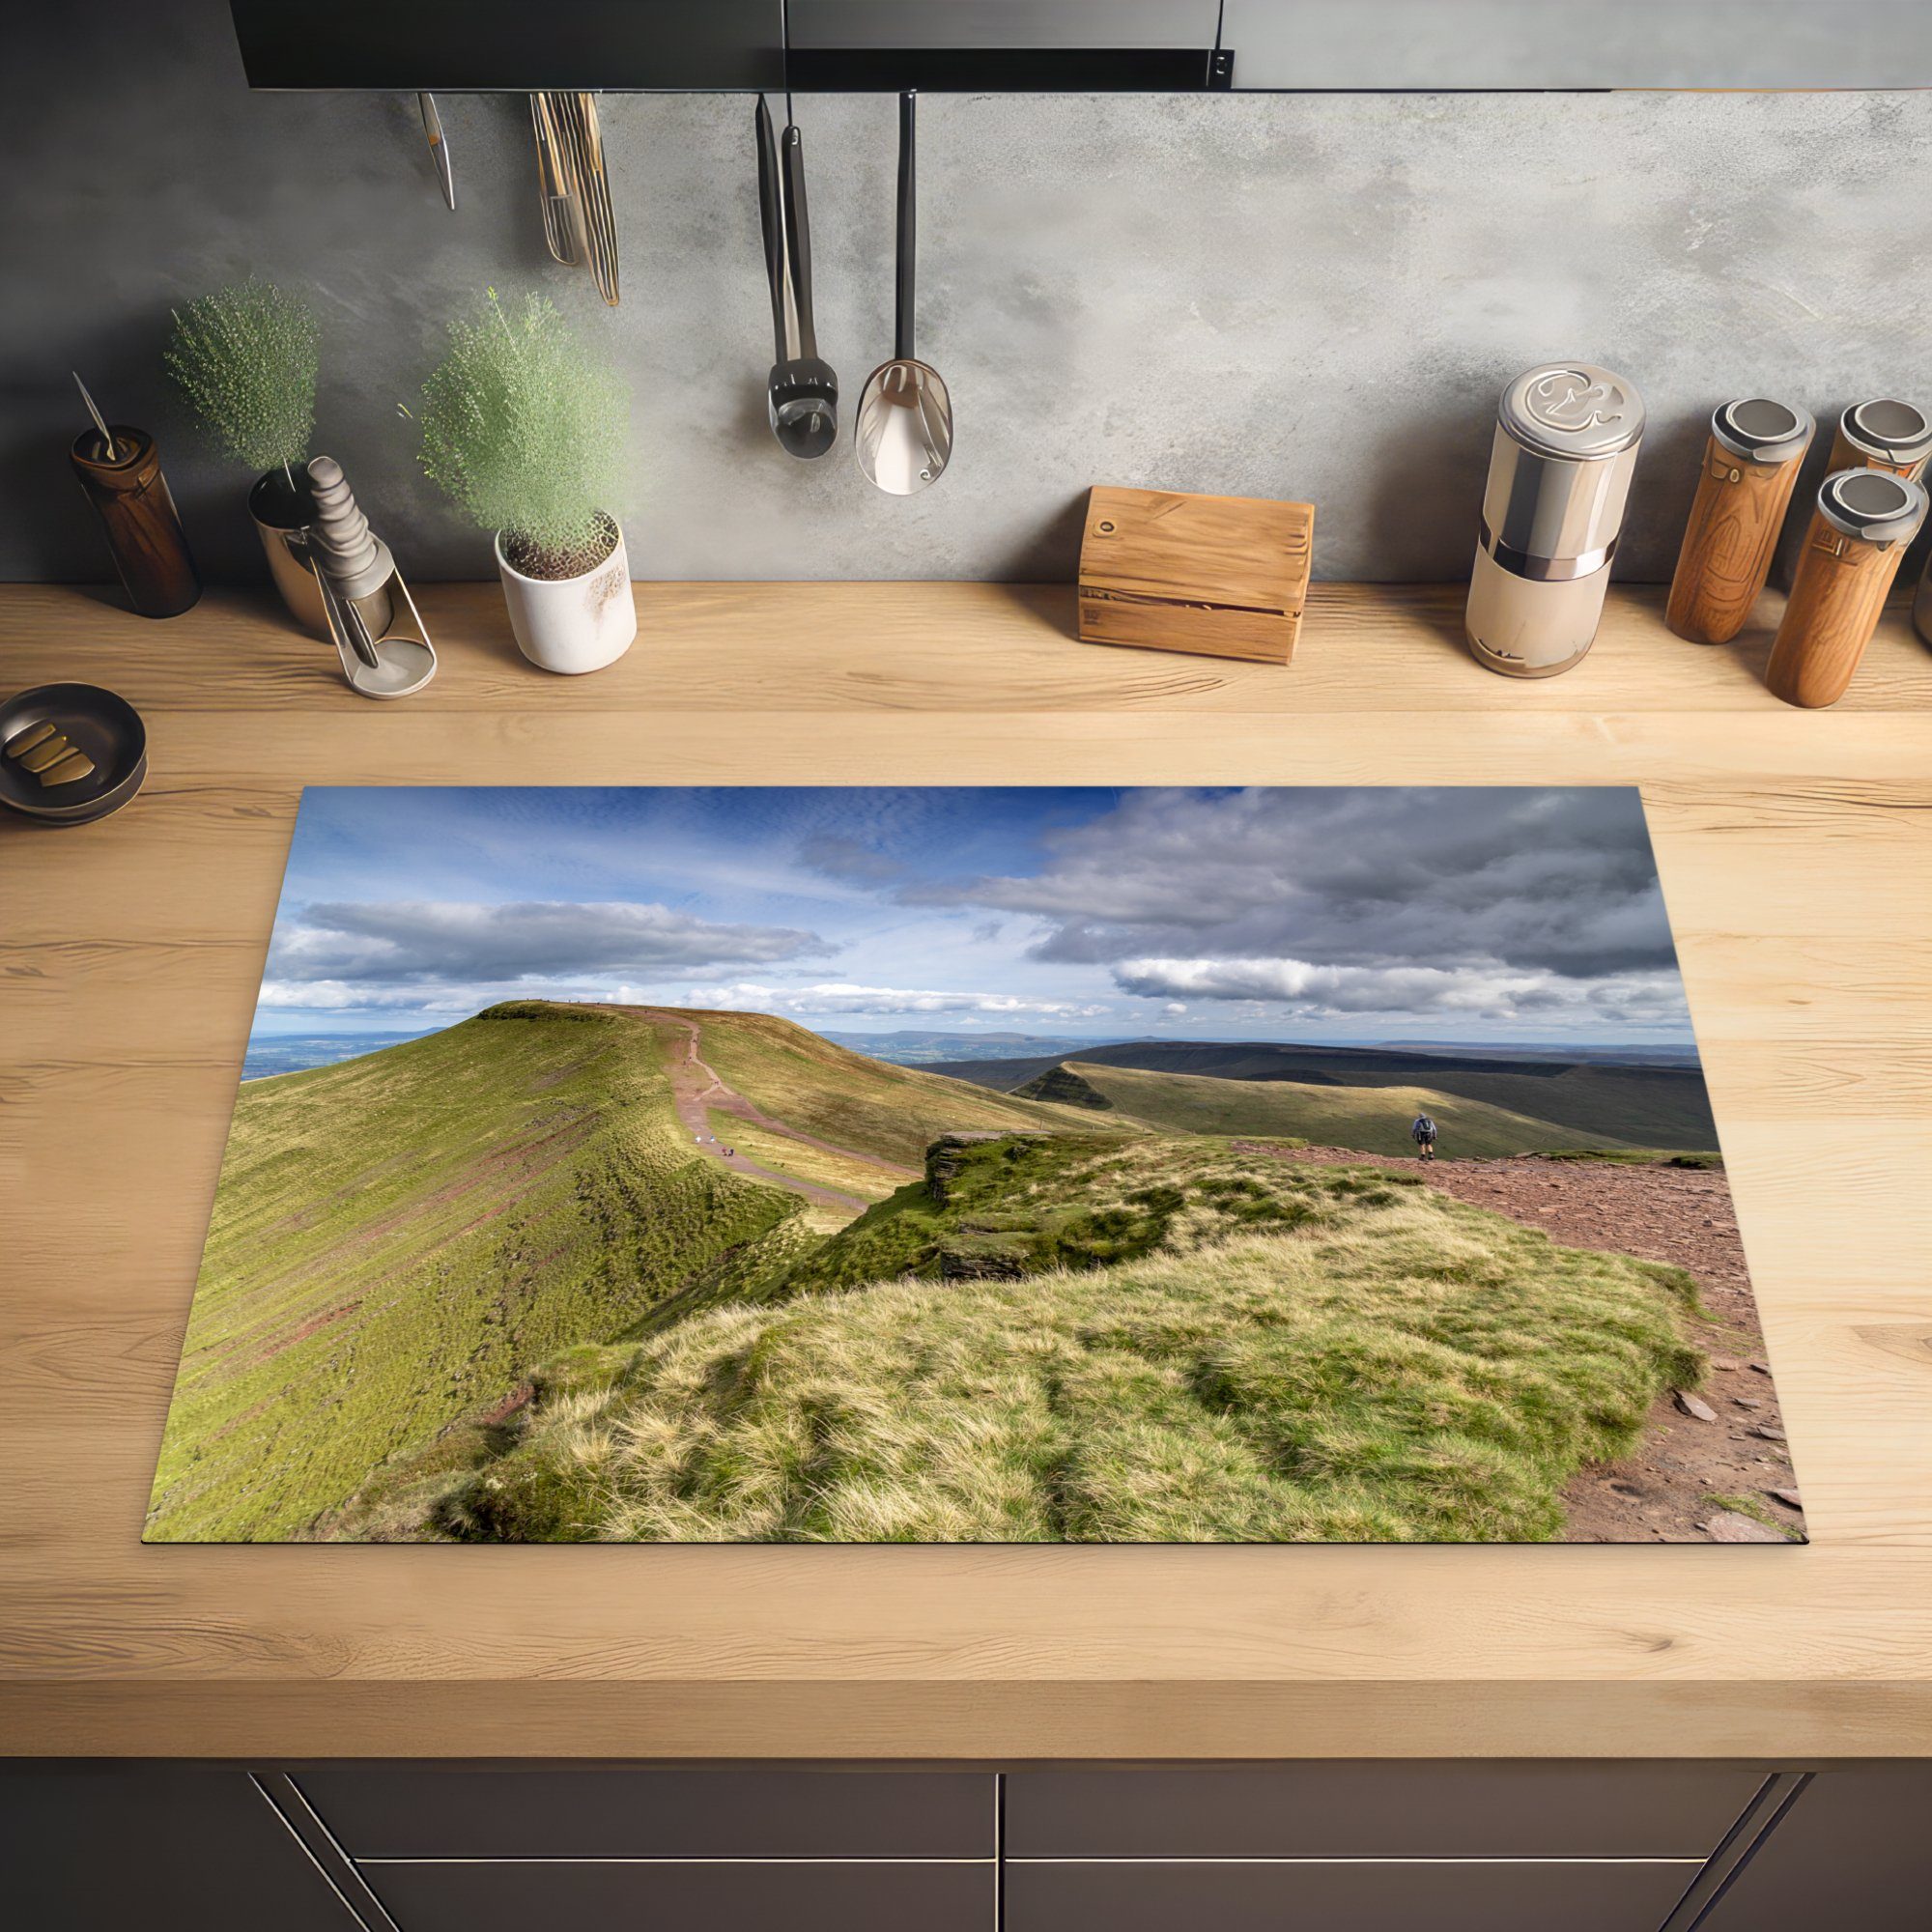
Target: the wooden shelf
(1795, 851)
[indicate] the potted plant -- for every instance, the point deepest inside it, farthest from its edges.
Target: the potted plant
(524, 429)
(244, 357)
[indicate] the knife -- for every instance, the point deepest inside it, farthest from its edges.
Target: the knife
(562, 220)
(582, 141)
(438, 147)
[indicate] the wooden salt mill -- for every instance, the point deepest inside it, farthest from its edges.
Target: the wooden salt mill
(1860, 531)
(1750, 468)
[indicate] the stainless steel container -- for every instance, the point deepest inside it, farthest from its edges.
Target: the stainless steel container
(284, 513)
(1567, 440)
(1883, 435)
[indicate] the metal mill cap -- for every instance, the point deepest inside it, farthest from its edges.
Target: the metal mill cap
(1571, 411)
(1762, 431)
(1872, 504)
(1891, 431)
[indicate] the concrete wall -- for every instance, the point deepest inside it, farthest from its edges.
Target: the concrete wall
(1269, 295)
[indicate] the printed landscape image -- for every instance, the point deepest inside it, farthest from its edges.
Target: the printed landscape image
(953, 1165)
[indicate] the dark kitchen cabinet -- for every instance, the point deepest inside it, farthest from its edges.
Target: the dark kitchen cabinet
(158, 1847)
(1019, 45)
(1367, 1811)
(718, 1898)
(568, 1811)
(485, 45)
(1015, 24)
(1854, 1851)
(1347, 1846)
(1505, 1896)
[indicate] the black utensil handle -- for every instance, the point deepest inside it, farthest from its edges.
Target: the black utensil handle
(770, 199)
(797, 240)
(902, 333)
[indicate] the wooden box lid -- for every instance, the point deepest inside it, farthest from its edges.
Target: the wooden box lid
(1227, 575)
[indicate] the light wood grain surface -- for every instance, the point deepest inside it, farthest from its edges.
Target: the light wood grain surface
(1795, 851)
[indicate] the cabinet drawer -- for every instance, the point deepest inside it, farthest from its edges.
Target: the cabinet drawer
(109, 1847)
(1349, 1810)
(1523, 1895)
(459, 1811)
(651, 1893)
(1855, 1850)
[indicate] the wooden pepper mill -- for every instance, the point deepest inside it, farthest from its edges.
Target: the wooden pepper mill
(122, 477)
(1750, 468)
(1863, 522)
(1883, 435)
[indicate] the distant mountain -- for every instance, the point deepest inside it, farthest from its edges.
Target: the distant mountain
(919, 1049)
(1637, 1105)
(1373, 1118)
(291, 1053)
(1592, 1056)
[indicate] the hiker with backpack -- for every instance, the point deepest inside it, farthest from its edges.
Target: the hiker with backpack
(1423, 1134)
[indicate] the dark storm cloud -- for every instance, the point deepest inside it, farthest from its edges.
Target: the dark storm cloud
(1534, 880)
(437, 942)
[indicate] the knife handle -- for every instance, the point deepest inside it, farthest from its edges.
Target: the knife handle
(798, 243)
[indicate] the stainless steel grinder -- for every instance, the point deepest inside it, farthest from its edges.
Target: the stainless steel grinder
(1567, 439)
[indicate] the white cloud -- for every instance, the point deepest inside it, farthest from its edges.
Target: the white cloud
(444, 943)
(840, 998)
(1494, 992)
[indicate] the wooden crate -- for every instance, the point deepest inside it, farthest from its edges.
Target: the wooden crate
(1223, 576)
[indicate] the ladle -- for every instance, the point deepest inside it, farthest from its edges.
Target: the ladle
(903, 433)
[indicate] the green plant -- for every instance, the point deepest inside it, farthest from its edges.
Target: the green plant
(246, 359)
(524, 428)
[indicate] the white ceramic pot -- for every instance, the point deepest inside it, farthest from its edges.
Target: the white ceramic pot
(572, 624)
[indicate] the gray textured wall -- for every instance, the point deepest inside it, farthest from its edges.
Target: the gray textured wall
(1292, 295)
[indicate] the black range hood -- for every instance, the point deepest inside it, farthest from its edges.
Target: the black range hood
(1079, 47)
(820, 46)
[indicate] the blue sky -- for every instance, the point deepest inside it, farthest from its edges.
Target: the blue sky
(1292, 913)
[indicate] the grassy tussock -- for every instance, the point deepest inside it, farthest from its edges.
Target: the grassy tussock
(1394, 1366)
(1027, 1203)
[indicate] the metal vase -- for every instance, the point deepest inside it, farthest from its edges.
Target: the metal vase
(284, 514)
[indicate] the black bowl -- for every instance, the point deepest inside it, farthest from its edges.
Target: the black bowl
(107, 728)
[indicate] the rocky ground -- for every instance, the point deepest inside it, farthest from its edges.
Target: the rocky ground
(1723, 1441)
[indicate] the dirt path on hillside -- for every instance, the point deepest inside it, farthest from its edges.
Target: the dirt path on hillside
(1683, 1216)
(698, 1092)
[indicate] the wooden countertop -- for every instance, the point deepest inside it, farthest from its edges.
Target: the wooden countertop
(1793, 850)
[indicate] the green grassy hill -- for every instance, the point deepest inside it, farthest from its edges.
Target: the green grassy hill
(399, 1239)
(889, 1111)
(1152, 1339)
(1640, 1106)
(397, 1236)
(1373, 1118)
